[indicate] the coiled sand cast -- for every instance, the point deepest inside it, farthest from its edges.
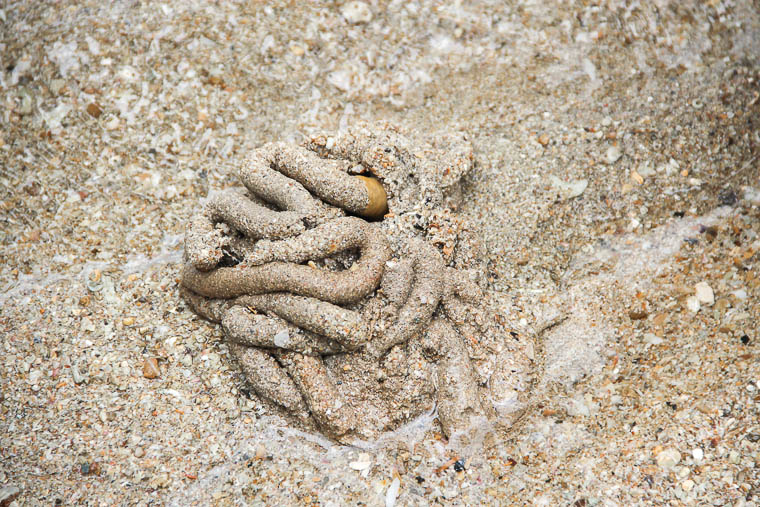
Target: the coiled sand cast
(349, 290)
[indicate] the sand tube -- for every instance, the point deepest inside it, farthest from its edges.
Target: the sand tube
(244, 327)
(269, 380)
(346, 327)
(337, 287)
(325, 403)
(426, 291)
(287, 175)
(204, 244)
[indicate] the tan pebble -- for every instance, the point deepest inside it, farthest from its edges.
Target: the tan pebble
(543, 139)
(138, 452)
(635, 176)
(261, 452)
(128, 321)
(150, 368)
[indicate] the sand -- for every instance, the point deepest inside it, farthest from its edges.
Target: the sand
(616, 174)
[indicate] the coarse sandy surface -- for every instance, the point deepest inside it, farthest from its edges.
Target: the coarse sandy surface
(617, 187)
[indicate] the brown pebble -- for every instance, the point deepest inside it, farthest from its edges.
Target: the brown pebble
(94, 110)
(637, 314)
(543, 139)
(216, 81)
(150, 368)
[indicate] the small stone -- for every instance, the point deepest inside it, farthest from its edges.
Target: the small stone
(8, 494)
(138, 452)
(77, 375)
(161, 480)
(450, 493)
(687, 485)
(150, 368)
(94, 110)
(578, 407)
(645, 169)
(692, 303)
(606, 121)
(360, 465)
(543, 139)
(704, 293)
(569, 189)
(112, 124)
(727, 197)
(660, 319)
(652, 339)
(356, 12)
(87, 325)
(668, 458)
(637, 314)
(128, 321)
(282, 338)
(697, 454)
(392, 494)
(34, 376)
(260, 452)
(683, 472)
(56, 85)
(733, 457)
(613, 154)
(27, 102)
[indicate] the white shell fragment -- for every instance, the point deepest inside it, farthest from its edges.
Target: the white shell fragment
(704, 294)
(356, 12)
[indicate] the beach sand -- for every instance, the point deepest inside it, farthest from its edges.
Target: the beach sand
(616, 186)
